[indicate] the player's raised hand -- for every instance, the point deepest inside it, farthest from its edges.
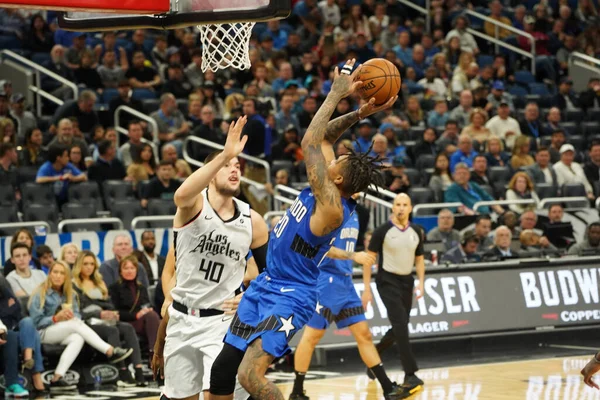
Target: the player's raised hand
(235, 142)
(369, 108)
(345, 81)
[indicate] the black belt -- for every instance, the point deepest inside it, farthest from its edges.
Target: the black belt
(200, 313)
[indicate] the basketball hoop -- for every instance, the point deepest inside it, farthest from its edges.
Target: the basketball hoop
(225, 45)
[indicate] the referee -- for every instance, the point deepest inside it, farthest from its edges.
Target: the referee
(400, 246)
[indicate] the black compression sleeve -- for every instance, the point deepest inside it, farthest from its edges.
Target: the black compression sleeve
(260, 257)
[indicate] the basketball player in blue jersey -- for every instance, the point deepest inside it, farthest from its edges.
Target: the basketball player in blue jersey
(339, 302)
(281, 300)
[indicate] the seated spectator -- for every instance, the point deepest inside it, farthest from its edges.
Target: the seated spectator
(125, 99)
(396, 179)
(464, 251)
(18, 333)
(282, 177)
(110, 73)
(528, 220)
(467, 41)
(57, 65)
(426, 144)
(499, 96)
(521, 157)
(380, 149)
(8, 132)
(46, 257)
(445, 231)
(285, 116)
(288, 147)
(438, 117)
(172, 126)
(95, 303)
(107, 166)
(194, 116)
(9, 178)
(155, 261)
(32, 154)
(135, 133)
(40, 38)
(65, 326)
(465, 153)
(590, 98)
(177, 83)
(449, 139)
(393, 144)
(22, 235)
(555, 217)
(569, 171)
(182, 168)
(68, 254)
(504, 126)
(495, 154)
(208, 128)
(25, 119)
(467, 193)
(531, 241)
(140, 76)
(553, 122)
(591, 243)
(363, 138)
(557, 140)
(531, 125)
(476, 129)
(413, 113)
(131, 300)
(82, 109)
(163, 186)
(211, 98)
(75, 52)
(77, 160)
(564, 99)
(23, 280)
(521, 187)
(433, 85)
(441, 178)
(592, 167)
(542, 171)
(143, 166)
(60, 171)
(501, 249)
(483, 227)
(110, 268)
(479, 174)
(86, 74)
(65, 135)
(490, 28)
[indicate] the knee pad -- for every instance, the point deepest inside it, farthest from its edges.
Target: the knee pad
(224, 370)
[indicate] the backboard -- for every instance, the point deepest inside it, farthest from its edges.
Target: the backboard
(179, 14)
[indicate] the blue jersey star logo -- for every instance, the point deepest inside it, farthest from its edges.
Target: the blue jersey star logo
(286, 325)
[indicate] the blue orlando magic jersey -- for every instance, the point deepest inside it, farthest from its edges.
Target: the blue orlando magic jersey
(345, 240)
(294, 251)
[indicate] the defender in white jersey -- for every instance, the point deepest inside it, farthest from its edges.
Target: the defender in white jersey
(213, 233)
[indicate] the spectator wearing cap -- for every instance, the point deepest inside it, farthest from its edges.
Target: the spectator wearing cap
(285, 116)
(110, 73)
(82, 109)
(467, 41)
(503, 126)
(59, 171)
(363, 139)
(444, 231)
(439, 116)
(125, 99)
(25, 119)
(176, 82)
(65, 136)
(163, 185)
(464, 154)
(31, 153)
(564, 99)
(434, 86)
(141, 76)
(496, 14)
(107, 166)
(465, 251)
(468, 193)
(172, 126)
(288, 147)
(569, 171)
(395, 177)
(590, 98)
(8, 169)
(74, 53)
(553, 122)
(57, 65)
(498, 95)
(87, 75)
(426, 144)
(462, 112)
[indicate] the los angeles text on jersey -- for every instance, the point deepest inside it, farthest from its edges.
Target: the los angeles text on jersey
(560, 287)
(212, 244)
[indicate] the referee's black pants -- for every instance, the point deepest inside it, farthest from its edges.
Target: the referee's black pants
(396, 291)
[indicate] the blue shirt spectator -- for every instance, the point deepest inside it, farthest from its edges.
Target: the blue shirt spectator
(465, 192)
(59, 171)
(464, 154)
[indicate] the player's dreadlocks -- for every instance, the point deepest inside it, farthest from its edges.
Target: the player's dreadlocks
(361, 170)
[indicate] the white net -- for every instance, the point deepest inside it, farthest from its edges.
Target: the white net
(225, 45)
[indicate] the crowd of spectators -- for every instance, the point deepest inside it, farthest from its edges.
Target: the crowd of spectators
(73, 300)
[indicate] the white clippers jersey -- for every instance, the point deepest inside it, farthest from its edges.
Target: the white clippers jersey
(211, 256)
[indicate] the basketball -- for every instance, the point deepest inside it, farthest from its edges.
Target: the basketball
(381, 79)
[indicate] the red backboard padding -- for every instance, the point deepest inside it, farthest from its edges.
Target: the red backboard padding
(109, 6)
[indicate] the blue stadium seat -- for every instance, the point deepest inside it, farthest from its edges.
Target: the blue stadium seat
(539, 89)
(524, 77)
(40, 58)
(109, 94)
(484, 60)
(414, 176)
(142, 94)
(9, 42)
(516, 90)
(150, 105)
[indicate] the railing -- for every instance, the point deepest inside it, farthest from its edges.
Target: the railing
(384, 192)
(85, 221)
(139, 115)
(583, 60)
(598, 203)
(502, 203)
(32, 224)
(575, 199)
(39, 92)
(581, 68)
(270, 214)
(424, 11)
(208, 143)
(279, 200)
(434, 206)
(499, 42)
(150, 218)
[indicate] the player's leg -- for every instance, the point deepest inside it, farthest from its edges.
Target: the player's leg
(302, 356)
(251, 373)
(223, 373)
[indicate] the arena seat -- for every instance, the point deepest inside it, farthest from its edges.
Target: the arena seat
(32, 192)
(86, 193)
